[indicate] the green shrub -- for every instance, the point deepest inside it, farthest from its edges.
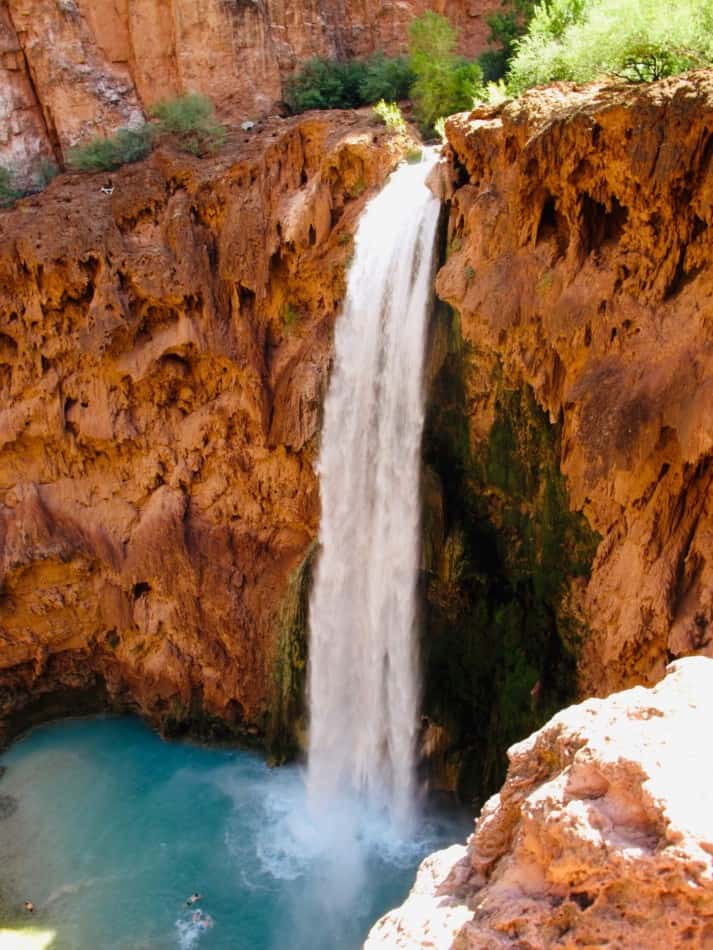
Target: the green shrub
(390, 114)
(106, 154)
(8, 191)
(45, 171)
(444, 83)
(333, 84)
(637, 40)
(506, 27)
(388, 79)
(327, 84)
(191, 121)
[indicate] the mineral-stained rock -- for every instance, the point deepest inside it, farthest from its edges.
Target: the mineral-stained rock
(601, 836)
(163, 355)
(73, 68)
(580, 261)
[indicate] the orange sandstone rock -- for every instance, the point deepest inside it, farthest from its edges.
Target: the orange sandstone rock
(602, 835)
(581, 241)
(163, 356)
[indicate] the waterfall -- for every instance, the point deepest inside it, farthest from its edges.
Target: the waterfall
(363, 684)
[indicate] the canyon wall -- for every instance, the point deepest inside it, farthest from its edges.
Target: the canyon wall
(70, 69)
(579, 262)
(164, 350)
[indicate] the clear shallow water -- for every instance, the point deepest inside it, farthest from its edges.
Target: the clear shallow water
(114, 828)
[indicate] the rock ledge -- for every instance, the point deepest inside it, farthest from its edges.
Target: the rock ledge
(601, 836)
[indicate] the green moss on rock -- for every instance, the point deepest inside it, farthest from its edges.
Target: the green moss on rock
(287, 723)
(499, 646)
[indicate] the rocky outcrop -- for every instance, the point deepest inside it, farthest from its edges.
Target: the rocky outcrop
(164, 349)
(73, 68)
(580, 249)
(601, 836)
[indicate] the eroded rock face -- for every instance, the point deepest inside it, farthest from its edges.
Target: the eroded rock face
(73, 68)
(601, 836)
(580, 262)
(164, 350)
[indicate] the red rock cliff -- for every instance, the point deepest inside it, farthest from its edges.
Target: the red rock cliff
(163, 354)
(581, 245)
(73, 68)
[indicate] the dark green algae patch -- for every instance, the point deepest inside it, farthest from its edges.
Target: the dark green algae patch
(501, 550)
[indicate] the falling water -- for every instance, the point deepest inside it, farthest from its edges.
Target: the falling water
(364, 665)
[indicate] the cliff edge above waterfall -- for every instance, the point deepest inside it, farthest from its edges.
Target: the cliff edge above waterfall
(602, 835)
(580, 262)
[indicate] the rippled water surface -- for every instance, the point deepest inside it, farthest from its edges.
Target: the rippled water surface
(108, 829)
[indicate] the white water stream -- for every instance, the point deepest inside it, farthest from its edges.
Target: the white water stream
(363, 685)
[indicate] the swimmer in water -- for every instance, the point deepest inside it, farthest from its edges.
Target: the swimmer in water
(201, 920)
(194, 898)
(29, 907)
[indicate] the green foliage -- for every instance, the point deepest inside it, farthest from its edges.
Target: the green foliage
(333, 84)
(106, 154)
(190, 120)
(8, 192)
(390, 114)
(386, 78)
(506, 26)
(444, 83)
(637, 40)
(326, 84)
(45, 171)
(35, 179)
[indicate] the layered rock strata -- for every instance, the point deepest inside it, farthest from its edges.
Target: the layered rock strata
(580, 250)
(70, 69)
(602, 835)
(164, 349)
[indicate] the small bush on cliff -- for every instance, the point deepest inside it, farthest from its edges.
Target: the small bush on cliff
(636, 40)
(8, 191)
(390, 114)
(191, 121)
(445, 83)
(108, 153)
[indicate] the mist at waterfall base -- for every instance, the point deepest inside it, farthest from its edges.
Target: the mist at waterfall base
(115, 828)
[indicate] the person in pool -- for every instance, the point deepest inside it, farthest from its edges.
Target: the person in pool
(193, 899)
(203, 921)
(29, 907)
